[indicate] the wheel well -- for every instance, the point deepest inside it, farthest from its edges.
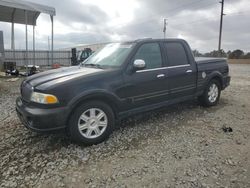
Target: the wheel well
(103, 99)
(217, 78)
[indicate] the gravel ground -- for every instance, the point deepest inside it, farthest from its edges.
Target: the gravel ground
(178, 146)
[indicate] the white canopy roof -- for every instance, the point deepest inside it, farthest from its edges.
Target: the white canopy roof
(13, 11)
(24, 12)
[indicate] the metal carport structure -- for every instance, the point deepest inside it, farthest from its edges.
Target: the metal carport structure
(24, 12)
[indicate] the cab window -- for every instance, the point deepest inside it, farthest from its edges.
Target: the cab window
(151, 54)
(176, 54)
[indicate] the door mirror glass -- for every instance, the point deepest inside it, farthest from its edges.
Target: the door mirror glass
(139, 64)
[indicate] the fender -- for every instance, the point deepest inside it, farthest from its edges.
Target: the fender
(95, 94)
(214, 74)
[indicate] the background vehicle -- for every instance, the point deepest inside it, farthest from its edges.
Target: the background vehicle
(80, 56)
(120, 80)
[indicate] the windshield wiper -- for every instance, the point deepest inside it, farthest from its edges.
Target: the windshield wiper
(92, 65)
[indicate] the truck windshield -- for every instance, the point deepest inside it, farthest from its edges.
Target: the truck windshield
(112, 55)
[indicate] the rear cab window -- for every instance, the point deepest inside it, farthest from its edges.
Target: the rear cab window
(176, 54)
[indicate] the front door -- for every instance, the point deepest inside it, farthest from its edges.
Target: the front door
(147, 86)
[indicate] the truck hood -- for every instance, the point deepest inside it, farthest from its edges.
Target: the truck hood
(61, 74)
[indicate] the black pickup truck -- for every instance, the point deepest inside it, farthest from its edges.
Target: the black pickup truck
(119, 80)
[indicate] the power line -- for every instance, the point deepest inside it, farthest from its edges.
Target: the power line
(195, 6)
(174, 15)
(156, 17)
(194, 22)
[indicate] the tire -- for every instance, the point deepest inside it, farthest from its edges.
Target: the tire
(211, 95)
(87, 119)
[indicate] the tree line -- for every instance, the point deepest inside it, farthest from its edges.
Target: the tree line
(235, 54)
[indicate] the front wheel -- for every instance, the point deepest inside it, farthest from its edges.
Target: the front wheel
(211, 94)
(91, 123)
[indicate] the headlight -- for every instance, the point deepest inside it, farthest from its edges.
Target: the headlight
(43, 98)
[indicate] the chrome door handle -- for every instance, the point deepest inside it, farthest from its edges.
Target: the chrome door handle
(160, 75)
(189, 71)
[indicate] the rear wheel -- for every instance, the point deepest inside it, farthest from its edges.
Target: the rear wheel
(91, 123)
(211, 94)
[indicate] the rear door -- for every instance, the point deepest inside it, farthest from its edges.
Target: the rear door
(180, 72)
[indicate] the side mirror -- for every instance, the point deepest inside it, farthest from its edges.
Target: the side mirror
(139, 64)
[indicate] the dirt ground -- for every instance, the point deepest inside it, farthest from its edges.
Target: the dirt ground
(239, 61)
(179, 146)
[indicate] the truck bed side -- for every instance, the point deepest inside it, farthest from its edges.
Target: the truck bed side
(211, 68)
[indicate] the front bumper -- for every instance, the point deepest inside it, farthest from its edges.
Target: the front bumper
(226, 81)
(41, 120)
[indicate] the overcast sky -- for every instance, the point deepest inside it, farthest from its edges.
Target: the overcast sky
(93, 21)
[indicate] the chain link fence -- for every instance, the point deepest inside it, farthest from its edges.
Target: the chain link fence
(39, 57)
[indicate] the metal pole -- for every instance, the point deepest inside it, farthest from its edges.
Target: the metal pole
(12, 36)
(48, 51)
(2, 59)
(26, 38)
(48, 44)
(34, 62)
(12, 30)
(52, 39)
(13, 40)
(164, 27)
(221, 22)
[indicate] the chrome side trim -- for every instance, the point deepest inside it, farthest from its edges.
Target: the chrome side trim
(177, 66)
(162, 68)
(147, 70)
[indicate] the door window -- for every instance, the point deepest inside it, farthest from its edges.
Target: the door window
(176, 54)
(151, 54)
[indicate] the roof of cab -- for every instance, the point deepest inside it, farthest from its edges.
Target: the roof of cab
(157, 40)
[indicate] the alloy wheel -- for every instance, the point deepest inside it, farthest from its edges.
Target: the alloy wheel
(92, 123)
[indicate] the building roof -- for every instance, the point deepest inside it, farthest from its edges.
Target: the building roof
(13, 11)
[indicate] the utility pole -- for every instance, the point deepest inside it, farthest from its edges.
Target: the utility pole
(48, 44)
(164, 27)
(221, 22)
(48, 51)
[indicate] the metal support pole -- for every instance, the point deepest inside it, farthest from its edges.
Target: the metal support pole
(221, 22)
(13, 30)
(34, 62)
(12, 36)
(164, 27)
(48, 44)
(13, 40)
(48, 56)
(52, 39)
(26, 38)
(2, 56)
